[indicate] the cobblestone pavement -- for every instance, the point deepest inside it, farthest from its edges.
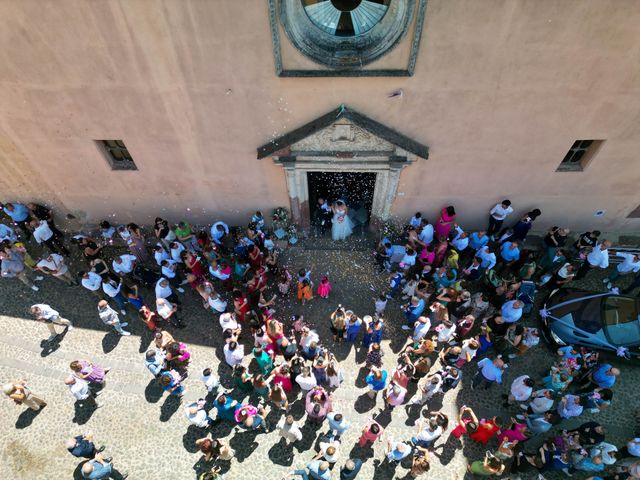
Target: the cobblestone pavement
(147, 433)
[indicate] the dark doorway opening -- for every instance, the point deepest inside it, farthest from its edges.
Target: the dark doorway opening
(354, 188)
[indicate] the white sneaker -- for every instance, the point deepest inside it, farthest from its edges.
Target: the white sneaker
(34, 288)
(39, 278)
(605, 280)
(609, 285)
(181, 290)
(123, 312)
(404, 327)
(69, 327)
(125, 334)
(123, 324)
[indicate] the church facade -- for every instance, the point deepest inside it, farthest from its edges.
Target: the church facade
(209, 110)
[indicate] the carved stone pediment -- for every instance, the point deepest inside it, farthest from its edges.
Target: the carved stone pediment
(343, 136)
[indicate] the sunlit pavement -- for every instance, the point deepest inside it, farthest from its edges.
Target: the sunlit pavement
(148, 435)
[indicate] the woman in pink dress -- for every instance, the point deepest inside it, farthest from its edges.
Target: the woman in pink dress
(445, 222)
(324, 288)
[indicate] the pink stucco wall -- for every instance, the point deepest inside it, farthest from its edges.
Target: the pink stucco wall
(501, 90)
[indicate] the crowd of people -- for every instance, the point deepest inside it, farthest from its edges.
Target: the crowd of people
(462, 295)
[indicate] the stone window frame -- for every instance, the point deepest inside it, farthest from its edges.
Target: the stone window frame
(114, 162)
(281, 71)
(587, 153)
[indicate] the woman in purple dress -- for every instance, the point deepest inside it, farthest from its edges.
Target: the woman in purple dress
(89, 372)
(136, 243)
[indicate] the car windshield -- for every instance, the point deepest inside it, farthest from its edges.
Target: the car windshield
(585, 313)
(620, 317)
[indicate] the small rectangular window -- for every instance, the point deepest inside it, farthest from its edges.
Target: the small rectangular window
(579, 155)
(117, 155)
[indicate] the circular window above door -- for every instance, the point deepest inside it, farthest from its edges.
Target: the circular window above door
(346, 18)
(345, 33)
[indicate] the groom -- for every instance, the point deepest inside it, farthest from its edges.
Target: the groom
(323, 216)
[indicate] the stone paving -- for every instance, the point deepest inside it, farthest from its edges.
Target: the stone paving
(146, 432)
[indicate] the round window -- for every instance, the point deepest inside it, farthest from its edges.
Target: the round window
(345, 33)
(345, 18)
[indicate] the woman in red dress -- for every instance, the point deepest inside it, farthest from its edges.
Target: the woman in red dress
(487, 429)
(193, 265)
(240, 304)
(256, 257)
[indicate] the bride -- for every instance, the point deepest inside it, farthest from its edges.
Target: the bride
(342, 225)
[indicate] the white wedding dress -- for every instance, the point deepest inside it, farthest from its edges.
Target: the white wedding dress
(341, 226)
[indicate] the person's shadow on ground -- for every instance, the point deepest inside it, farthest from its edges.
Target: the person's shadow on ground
(169, 407)
(110, 341)
(145, 340)
(48, 347)
(77, 473)
(153, 392)
(448, 448)
(26, 418)
(281, 453)
(83, 411)
(244, 443)
(192, 434)
(309, 432)
(364, 403)
(383, 470)
(361, 379)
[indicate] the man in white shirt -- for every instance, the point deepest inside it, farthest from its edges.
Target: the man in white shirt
(630, 264)
(289, 429)
(170, 272)
(169, 311)
(426, 234)
(54, 265)
(427, 387)
(175, 249)
(233, 353)
(92, 282)
(112, 289)
(216, 302)
(541, 401)
(329, 451)
(488, 258)
(521, 390)
(597, 258)
(163, 290)
(110, 317)
(197, 415)
(218, 231)
(44, 313)
(461, 240)
(228, 322)
(43, 234)
(420, 329)
(160, 254)
(80, 390)
(497, 215)
(429, 433)
(306, 380)
(124, 264)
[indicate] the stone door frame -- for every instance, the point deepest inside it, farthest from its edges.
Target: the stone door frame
(387, 169)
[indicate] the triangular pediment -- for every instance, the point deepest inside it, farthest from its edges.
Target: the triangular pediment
(343, 130)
